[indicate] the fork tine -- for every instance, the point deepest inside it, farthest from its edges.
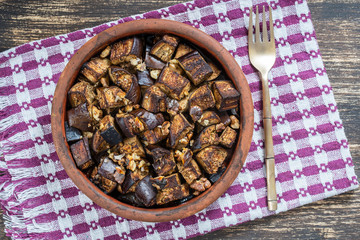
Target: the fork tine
(272, 38)
(264, 27)
(250, 30)
(257, 26)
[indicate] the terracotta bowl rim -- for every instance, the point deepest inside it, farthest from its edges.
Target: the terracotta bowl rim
(197, 37)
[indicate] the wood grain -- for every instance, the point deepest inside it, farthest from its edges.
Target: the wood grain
(337, 27)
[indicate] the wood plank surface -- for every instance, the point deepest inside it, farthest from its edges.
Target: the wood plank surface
(338, 32)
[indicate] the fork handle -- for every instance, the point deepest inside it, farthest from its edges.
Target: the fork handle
(269, 146)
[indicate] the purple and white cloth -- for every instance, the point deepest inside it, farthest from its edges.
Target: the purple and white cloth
(312, 156)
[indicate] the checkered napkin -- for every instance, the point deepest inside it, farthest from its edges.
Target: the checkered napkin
(311, 151)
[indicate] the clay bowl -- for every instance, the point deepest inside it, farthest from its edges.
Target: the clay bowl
(151, 26)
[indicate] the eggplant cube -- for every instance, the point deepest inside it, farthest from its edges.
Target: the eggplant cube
(179, 129)
(190, 172)
(182, 50)
(81, 154)
(157, 134)
(149, 119)
(125, 50)
(145, 192)
(165, 48)
(184, 156)
(107, 185)
(170, 181)
(209, 118)
(226, 96)
(163, 161)
(202, 97)
(81, 92)
(108, 131)
(135, 145)
(154, 100)
(126, 123)
(95, 69)
(211, 158)
(195, 67)
(72, 134)
(111, 97)
(127, 82)
(225, 119)
(132, 178)
(144, 79)
(153, 63)
(228, 137)
(206, 138)
(80, 118)
(98, 143)
(171, 194)
(110, 170)
(173, 84)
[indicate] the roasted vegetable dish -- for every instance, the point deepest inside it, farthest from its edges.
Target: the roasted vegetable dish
(152, 120)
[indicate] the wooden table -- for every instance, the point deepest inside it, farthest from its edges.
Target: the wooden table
(337, 27)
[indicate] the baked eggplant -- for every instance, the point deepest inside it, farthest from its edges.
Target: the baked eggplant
(214, 177)
(152, 62)
(72, 134)
(228, 137)
(127, 82)
(129, 198)
(145, 150)
(163, 161)
(180, 128)
(165, 48)
(202, 97)
(154, 100)
(157, 134)
(182, 50)
(149, 119)
(107, 185)
(170, 181)
(184, 156)
(98, 143)
(145, 192)
(95, 69)
(111, 97)
(135, 146)
(110, 170)
(106, 52)
(209, 118)
(144, 79)
(81, 92)
(173, 84)
(226, 96)
(211, 158)
(171, 194)
(126, 50)
(129, 124)
(195, 67)
(132, 177)
(190, 172)
(215, 72)
(108, 131)
(225, 119)
(80, 118)
(206, 138)
(81, 154)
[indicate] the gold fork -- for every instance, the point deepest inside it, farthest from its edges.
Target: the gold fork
(262, 57)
